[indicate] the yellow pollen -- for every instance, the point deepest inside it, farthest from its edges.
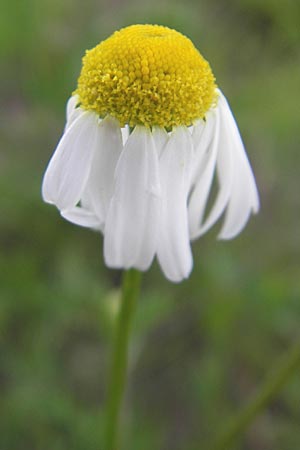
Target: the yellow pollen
(147, 75)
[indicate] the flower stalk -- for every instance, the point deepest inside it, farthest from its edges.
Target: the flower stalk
(118, 371)
(268, 391)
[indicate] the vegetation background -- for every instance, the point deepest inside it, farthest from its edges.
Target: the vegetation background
(200, 348)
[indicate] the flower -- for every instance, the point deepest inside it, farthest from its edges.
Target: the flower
(147, 134)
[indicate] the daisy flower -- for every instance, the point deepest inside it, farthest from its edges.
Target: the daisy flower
(148, 134)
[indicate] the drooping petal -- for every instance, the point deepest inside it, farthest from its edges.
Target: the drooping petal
(69, 167)
(81, 216)
(173, 250)
(71, 111)
(206, 154)
(71, 105)
(160, 137)
(202, 137)
(130, 236)
(125, 134)
(197, 132)
(99, 188)
(244, 197)
(225, 178)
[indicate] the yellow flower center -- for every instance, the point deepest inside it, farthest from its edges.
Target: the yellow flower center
(147, 75)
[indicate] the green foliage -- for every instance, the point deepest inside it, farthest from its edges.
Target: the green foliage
(200, 348)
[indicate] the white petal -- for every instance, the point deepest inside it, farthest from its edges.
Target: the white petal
(225, 178)
(69, 167)
(202, 135)
(71, 105)
(244, 196)
(191, 129)
(125, 134)
(160, 137)
(130, 236)
(197, 131)
(99, 188)
(207, 156)
(81, 216)
(173, 251)
(71, 111)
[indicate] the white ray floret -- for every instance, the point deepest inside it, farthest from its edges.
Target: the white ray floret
(130, 237)
(147, 191)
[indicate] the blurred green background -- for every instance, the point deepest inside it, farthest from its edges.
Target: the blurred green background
(201, 348)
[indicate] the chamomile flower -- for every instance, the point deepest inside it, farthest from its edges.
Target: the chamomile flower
(146, 135)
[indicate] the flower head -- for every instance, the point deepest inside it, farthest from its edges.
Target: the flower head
(147, 75)
(147, 132)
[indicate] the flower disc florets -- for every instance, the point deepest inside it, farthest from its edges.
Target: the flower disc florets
(147, 75)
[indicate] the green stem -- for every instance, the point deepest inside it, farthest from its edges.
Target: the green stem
(237, 425)
(117, 378)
